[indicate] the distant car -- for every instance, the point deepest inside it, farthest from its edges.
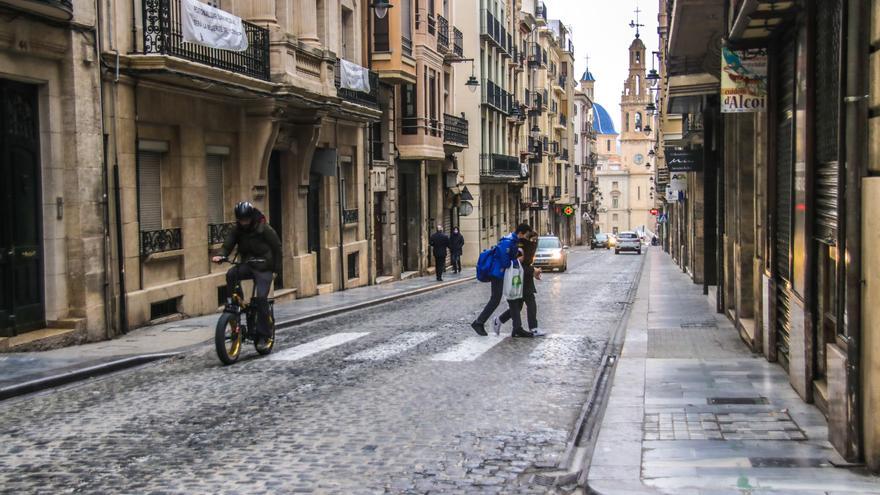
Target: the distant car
(612, 240)
(551, 254)
(599, 241)
(628, 241)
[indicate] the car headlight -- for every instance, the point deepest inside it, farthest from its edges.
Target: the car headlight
(557, 255)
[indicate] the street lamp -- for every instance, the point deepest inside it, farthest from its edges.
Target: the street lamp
(381, 8)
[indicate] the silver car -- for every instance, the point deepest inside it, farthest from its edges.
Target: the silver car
(628, 241)
(551, 254)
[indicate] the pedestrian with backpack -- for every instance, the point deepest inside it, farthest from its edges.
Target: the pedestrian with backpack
(529, 246)
(491, 266)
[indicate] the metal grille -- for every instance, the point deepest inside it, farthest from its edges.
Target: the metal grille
(163, 35)
(149, 190)
(828, 22)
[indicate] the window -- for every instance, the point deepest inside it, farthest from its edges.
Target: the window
(353, 265)
(409, 124)
(638, 121)
(609, 145)
(214, 166)
(626, 125)
(149, 190)
(615, 203)
(346, 34)
(615, 185)
(349, 186)
(380, 34)
(548, 243)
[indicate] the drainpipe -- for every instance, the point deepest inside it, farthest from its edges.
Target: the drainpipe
(341, 211)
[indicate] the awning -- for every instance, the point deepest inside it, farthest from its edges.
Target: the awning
(757, 20)
(685, 94)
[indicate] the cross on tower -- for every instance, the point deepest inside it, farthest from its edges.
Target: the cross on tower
(635, 24)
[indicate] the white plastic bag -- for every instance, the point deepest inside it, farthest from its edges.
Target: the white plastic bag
(513, 281)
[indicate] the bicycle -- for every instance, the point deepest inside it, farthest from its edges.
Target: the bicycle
(232, 332)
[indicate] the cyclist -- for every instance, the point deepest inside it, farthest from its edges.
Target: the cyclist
(260, 251)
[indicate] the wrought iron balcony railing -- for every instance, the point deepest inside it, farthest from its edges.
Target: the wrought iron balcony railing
(160, 241)
(493, 30)
(218, 232)
(496, 97)
(163, 35)
(442, 34)
(370, 99)
(557, 192)
(455, 130)
(457, 42)
(495, 165)
(350, 216)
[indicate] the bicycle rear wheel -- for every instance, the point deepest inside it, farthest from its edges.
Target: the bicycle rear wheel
(227, 338)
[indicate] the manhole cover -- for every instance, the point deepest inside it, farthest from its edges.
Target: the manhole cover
(700, 324)
(182, 328)
(737, 400)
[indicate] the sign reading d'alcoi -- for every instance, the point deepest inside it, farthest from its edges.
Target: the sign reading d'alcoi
(743, 80)
(209, 26)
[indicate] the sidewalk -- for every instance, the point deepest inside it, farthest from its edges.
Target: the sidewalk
(27, 372)
(679, 418)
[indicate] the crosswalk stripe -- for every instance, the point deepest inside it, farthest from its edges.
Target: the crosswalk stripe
(558, 350)
(316, 346)
(469, 349)
(396, 345)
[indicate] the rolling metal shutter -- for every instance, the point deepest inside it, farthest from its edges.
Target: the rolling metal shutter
(783, 207)
(828, 22)
(214, 166)
(149, 190)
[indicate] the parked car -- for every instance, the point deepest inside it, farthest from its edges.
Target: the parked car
(551, 254)
(600, 241)
(628, 241)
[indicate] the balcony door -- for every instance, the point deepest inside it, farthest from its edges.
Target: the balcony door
(22, 307)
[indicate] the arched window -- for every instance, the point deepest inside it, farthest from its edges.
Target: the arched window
(626, 124)
(638, 121)
(638, 85)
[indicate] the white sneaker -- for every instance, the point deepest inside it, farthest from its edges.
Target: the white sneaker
(496, 325)
(539, 333)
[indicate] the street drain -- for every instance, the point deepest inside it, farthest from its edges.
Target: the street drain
(730, 401)
(543, 480)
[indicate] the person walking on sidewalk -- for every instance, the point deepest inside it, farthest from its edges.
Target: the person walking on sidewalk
(440, 244)
(505, 252)
(529, 246)
(456, 247)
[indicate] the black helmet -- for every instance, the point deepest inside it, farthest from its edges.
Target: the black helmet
(245, 209)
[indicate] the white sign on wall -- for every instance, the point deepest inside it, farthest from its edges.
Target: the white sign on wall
(209, 26)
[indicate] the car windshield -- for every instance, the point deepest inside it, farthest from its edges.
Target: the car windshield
(601, 237)
(628, 235)
(548, 243)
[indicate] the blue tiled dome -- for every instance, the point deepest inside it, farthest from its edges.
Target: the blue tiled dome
(588, 76)
(602, 122)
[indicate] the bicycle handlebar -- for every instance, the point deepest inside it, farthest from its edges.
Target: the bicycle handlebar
(234, 262)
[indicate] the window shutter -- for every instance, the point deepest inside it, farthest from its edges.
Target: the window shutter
(150, 190)
(214, 166)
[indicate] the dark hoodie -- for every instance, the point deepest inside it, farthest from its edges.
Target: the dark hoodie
(258, 240)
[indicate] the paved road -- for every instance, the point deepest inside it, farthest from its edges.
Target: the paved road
(402, 398)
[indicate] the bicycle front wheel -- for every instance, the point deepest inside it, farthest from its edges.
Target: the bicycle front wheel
(227, 338)
(270, 343)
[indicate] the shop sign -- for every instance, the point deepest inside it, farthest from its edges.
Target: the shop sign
(690, 160)
(743, 80)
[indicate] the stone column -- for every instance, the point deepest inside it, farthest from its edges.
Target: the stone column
(263, 12)
(306, 19)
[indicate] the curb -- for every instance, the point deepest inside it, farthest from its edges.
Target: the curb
(39, 384)
(80, 374)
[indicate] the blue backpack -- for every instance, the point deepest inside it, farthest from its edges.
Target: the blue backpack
(484, 264)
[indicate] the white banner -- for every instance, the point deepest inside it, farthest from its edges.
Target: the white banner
(354, 77)
(208, 26)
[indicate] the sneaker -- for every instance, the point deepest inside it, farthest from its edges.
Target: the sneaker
(522, 333)
(496, 325)
(479, 328)
(539, 333)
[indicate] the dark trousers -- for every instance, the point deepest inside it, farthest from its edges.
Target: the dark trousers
(440, 264)
(456, 262)
(513, 311)
(262, 283)
(494, 301)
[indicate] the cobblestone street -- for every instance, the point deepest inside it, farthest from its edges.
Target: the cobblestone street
(401, 398)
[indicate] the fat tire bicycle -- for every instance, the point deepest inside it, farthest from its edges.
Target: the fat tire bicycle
(232, 331)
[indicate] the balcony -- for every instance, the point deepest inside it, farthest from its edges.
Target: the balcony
(563, 156)
(561, 123)
(163, 35)
(370, 99)
(442, 34)
(553, 148)
(559, 84)
(500, 167)
(217, 232)
(455, 131)
(537, 56)
(492, 29)
(457, 43)
(496, 97)
(541, 13)
(56, 10)
(161, 241)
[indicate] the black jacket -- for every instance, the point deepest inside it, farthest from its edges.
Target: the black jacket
(259, 241)
(440, 243)
(529, 246)
(456, 244)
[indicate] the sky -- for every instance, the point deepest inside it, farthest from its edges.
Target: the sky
(600, 29)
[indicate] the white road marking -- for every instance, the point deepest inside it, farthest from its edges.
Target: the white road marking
(395, 345)
(558, 350)
(316, 346)
(469, 349)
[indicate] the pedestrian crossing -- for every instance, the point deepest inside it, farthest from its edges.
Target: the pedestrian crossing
(552, 350)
